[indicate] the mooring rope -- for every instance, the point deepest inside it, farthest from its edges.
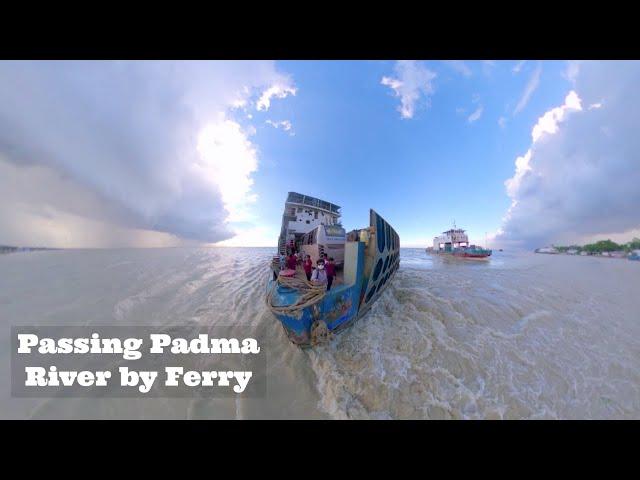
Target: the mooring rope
(311, 294)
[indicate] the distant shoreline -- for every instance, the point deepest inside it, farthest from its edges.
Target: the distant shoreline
(601, 248)
(616, 255)
(12, 249)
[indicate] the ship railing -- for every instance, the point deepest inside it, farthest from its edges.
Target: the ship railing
(294, 197)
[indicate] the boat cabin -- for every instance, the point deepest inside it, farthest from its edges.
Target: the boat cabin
(329, 239)
(454, 238)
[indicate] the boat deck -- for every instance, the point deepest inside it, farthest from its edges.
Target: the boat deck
(337, 280)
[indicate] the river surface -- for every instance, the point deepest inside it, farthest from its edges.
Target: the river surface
(522, 336)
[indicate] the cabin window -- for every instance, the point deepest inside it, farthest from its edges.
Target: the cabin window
(307, 222)
(334, 231)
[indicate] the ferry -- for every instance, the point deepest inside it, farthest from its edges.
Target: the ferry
(455, 243)
(548, 250)
(367, 260)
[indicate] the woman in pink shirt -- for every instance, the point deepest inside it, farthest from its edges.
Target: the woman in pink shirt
(292, 261)
(331, 272)
(308, 266)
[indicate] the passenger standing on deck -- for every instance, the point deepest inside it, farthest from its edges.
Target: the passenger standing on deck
(308, 266)
(319, 274)
(331, 272)
(283, 261)
(292, 261)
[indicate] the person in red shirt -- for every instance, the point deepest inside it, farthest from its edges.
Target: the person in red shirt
(308, 266)
(331, 272)
(292, 261)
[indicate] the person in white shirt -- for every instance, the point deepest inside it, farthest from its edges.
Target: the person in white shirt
(319, 274)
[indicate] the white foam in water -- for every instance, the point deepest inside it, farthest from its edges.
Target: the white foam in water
(520, 336)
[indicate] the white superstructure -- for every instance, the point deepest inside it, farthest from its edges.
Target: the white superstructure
(552, 250)
(454, 238)
(302, 214)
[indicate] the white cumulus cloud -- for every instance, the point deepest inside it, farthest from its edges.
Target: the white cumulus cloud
(279, 90)
(579, 179)
(227, 160)
(413, 81)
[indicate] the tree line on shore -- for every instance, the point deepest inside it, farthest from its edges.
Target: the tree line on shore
(603, 246)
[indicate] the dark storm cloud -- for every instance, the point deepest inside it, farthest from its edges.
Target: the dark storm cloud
(126, 132)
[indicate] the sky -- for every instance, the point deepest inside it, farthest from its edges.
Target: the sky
(520, 153)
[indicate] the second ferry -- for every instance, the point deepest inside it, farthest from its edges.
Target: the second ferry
(455, 243)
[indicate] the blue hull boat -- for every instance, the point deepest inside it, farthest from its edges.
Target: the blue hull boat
(310, 314)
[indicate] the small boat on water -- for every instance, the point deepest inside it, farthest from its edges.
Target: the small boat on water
(367, 259)
(548, 250)
(455, 243)
(634, 255)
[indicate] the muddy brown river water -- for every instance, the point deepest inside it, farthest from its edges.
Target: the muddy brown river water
(520, 336)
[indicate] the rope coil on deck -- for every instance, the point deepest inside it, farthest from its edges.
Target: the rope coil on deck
(311, 294)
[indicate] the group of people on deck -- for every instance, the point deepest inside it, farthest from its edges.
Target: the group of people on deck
(323, 273)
